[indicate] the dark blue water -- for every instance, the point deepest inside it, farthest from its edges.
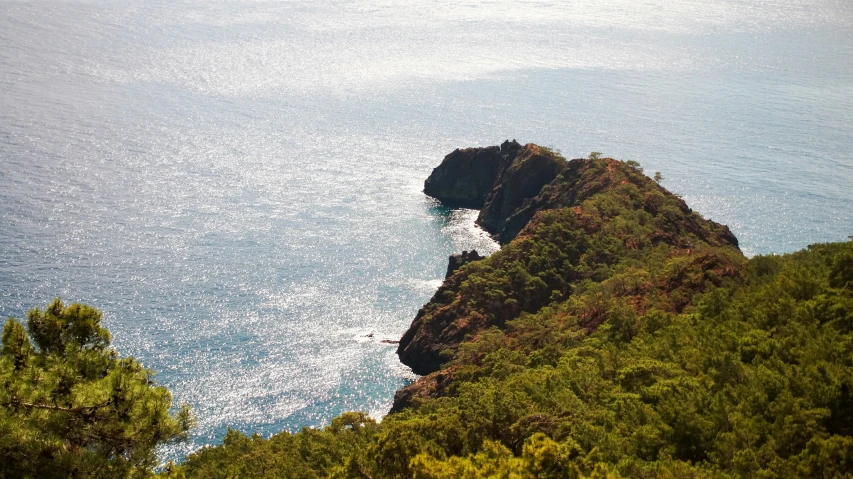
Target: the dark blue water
(237, 184)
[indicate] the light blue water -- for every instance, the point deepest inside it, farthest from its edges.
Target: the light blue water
(236, 184)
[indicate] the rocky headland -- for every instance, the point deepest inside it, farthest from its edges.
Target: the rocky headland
(531, 198)
(616, 333)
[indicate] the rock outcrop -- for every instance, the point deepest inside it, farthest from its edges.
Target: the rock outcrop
(497, 180)
(570, 222)
(465, 178)
(432, 385)
(531, 169)
(524, 180)
(422, 345)
(457, 261)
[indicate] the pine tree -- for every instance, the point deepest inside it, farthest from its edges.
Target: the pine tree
(70, 407)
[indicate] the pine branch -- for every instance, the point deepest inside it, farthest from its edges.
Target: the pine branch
(79, 409)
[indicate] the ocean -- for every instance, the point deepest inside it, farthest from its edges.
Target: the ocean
(236, 184)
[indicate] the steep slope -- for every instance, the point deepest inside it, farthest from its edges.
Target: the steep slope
(591, 216)
(617, 335)
(467, 176)
(497, 180)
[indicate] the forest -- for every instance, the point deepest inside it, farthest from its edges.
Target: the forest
(617, 335)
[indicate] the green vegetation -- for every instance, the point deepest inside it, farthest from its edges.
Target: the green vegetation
(70, 407)
(620, 336)
(635, 165)
(554, 152)
(752, 380)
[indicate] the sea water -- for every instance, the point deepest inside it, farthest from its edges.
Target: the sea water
(237, 184)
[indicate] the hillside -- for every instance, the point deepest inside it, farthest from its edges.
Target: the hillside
(582, 220)
(615, 334)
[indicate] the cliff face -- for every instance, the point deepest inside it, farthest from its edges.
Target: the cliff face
(564, 225)
(531, 169)
(511, 183)
(500, 181)
(466, 177)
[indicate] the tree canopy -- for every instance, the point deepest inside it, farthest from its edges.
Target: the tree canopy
(621, 336)
(751, 379)
(70, 407)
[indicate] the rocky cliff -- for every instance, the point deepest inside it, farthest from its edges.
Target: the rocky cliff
(618, 334)
(466, 177)
(500, 181)
(564, 225)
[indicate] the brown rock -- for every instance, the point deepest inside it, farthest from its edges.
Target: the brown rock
(531, 169)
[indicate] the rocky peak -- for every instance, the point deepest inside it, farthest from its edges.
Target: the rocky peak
(569, 222)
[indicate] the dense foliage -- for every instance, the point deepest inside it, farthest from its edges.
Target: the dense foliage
(70, 407)
(617, 235)
(618, 339)
(619, 335)
(755, 380)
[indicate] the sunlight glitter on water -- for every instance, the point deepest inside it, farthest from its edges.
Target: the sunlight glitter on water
(237, 184)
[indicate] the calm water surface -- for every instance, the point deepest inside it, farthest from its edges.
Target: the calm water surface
(236, 184)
